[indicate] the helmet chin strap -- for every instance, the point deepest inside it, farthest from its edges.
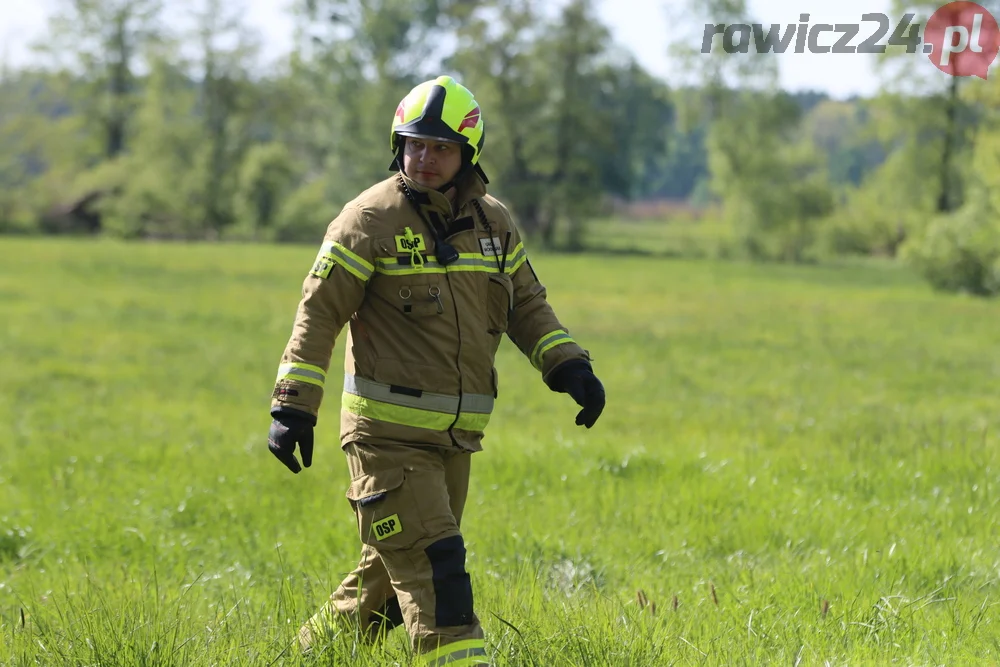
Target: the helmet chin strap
(453, 183)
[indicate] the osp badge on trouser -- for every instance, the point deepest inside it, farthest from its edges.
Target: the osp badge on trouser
(404, 515)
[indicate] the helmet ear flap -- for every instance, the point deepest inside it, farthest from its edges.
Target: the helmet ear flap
(467, 153)
(397, 161)
(482, 174)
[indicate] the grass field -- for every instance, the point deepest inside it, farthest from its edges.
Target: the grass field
(796, 465)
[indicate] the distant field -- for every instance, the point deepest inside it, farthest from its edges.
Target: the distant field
(796, 465)
(677, 237)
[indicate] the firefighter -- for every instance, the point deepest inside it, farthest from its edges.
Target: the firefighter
(428, 272)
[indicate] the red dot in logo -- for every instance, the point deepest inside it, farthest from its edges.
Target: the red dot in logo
(964, 37)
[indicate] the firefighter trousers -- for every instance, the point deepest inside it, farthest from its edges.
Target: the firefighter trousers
(408, 502)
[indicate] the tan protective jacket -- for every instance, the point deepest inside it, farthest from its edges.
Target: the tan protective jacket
(422, 337)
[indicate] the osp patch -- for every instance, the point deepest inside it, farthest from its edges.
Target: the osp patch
(325, 262)
(410, 242)
(387, 527)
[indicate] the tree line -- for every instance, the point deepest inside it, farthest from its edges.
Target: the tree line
(127, 125)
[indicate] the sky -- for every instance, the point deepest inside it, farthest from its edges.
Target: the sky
(645, 26)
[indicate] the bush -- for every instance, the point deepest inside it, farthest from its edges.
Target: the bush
(855, 231)
(265, 178)
(960, 252)
(304, 215)
(152, 204)
(867, 225)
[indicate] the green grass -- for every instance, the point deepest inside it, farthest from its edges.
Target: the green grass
(673, 237)
(794, 439)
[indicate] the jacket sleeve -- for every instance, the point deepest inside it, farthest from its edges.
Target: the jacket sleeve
(533, 326)
(331, 292)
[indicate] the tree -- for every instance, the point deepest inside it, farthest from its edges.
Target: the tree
(356, 60)
(496, 58)
(843, 132)
(266, 179)
(155, 191)
(929, 105)
(640, 116)
(102, 43)
(773, 184)
(226, 99)
(569, 118)
(960, 250)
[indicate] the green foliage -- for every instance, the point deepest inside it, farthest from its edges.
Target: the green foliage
(305, 214)
(573, 120)
(266, 177)
(875, 218)
(152, 192)
(103, 42)
(861, 227)
(772, 184)
(845, 136)
(960, 252)
(135, 127)
(772, 181)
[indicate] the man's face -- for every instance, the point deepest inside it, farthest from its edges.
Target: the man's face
(431, 162)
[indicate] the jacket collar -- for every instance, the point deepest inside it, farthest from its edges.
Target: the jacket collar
(470, 186)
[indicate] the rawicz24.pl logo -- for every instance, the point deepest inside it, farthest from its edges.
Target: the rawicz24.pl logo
(960, 38)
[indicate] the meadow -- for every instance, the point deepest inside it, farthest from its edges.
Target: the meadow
(796, 466)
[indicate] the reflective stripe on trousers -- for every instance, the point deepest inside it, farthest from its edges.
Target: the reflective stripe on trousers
(413, 407)
(457, 654)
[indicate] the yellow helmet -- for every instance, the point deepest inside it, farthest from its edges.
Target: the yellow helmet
(444, 109)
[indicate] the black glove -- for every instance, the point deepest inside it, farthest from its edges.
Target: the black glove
(291, 426)
(577, 379)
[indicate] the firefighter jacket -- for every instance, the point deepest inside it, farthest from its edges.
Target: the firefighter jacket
(421, 337)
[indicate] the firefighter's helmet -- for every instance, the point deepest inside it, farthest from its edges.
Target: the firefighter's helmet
(443, 109)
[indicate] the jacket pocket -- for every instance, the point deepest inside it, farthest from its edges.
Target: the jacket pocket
(421, 300)
(499, 302)
(413, 296)
(386, 515)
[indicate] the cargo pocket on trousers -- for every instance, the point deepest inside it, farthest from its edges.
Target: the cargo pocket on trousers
(499, 302)
(386, 513)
